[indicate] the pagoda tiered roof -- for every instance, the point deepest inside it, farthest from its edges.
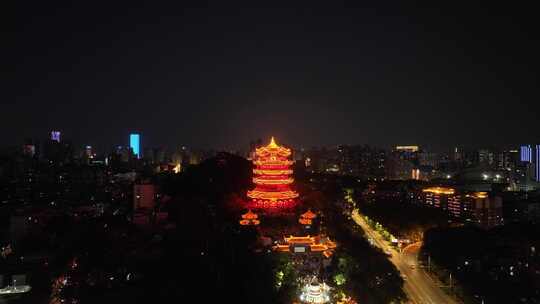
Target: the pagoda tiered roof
(273, 149)
(272, 178)
(249, 218)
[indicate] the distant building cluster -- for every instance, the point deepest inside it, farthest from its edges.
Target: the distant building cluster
(476, 207)
(130, 154)
(362, 161)
(515, 169)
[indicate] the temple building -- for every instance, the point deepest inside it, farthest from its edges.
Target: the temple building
(314, 292)
(272, 178)
(249, 219)
(307, 244)
(307, 218)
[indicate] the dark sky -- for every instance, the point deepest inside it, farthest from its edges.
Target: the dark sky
(219, 75)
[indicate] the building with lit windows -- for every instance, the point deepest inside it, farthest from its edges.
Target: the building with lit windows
(526, 153)
(272, 178)
(475, 207)
(438, 197)
(409, 149)
(486, 210)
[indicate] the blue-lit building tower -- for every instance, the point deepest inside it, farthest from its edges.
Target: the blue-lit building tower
(135, 144)
(531, 158)
(537, 163)
(55, 136)
(526, 153)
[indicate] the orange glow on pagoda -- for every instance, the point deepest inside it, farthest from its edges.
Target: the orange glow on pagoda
(272, 177)
(307, 217)
(249, 218)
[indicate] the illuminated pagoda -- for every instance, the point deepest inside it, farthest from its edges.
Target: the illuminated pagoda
(249, 218)
(272, 178)
(314, 292)
(307, 218)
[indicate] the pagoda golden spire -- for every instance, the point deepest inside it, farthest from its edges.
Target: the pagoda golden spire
(272, 143)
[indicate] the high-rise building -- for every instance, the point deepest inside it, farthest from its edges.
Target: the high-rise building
(397, 168)
(457, 155)
(526, 153)
(486, 157)
(428, 159)
(508, 159)
(479, 208)
(89, 153)
(537, 163)
(123, 154)
(55, 136)
(135, 144)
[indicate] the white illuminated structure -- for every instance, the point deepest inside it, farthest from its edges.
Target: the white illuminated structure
(315, 293)
(15, 289)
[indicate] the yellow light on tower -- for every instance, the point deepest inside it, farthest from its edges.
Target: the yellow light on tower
(272, 177)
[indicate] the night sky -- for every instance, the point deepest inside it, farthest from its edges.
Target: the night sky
(219, 75)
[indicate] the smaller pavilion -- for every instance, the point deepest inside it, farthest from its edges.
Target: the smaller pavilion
(307, 218)
(249, 219)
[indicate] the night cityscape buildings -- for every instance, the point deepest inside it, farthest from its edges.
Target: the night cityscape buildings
(135, 144)
(485, 188)
(138, 163)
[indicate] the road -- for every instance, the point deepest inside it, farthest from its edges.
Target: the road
(419, 287)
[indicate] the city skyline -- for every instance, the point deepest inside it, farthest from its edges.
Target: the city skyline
(126, 141)
(305, 152)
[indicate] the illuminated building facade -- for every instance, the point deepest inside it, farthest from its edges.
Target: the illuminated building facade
(307, 244)
(272, 178)
(410, 149)
(438, 197)
(88, 152)
(135, 144)
(526, 153)
(307, 218)
(249, 219)
(415, 174)
(55, 136)
(486, 211)
(314, 292)
(537, 166)
(475, 207)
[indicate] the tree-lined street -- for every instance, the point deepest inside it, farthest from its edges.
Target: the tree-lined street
(419, 286)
